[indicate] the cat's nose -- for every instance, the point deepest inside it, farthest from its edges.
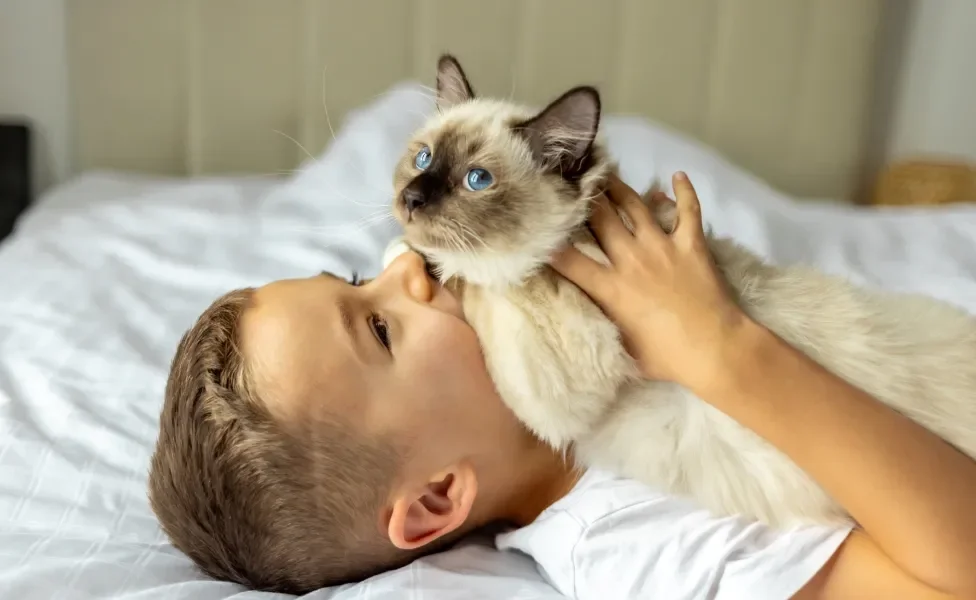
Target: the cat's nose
(414, 198)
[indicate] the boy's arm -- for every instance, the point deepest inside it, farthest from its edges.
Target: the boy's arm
(859, 569)
(911, 492)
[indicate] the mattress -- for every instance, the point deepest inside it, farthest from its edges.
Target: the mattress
(103, 275)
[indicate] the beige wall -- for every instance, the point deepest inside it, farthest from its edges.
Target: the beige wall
(930, 108)
(33, 80)
(934, 108)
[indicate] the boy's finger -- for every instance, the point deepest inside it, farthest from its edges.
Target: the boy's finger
(619, 192)
(629, 201)
(689, 209)
(586, 273)
(609, 229)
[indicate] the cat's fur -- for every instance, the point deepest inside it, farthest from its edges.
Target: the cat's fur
(559, 363)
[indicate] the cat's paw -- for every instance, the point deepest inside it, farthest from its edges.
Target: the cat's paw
(394, 249)
(665, 213)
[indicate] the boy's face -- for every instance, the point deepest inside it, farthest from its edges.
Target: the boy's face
(394, 358)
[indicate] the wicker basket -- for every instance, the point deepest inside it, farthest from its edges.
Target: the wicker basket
(913, 183)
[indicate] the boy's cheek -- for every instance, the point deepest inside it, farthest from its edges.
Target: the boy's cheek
(445, 352)
(393, 419)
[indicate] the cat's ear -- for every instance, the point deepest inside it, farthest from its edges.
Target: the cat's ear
(564, 131)
(452, 85)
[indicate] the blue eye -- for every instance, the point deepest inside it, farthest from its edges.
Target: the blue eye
(477, 180)
(422, 160)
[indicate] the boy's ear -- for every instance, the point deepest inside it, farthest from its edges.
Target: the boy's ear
(421, 516)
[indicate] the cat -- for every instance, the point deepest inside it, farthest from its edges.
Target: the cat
(487, 190)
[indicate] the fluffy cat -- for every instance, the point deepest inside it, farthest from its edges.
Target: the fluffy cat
(487, 190)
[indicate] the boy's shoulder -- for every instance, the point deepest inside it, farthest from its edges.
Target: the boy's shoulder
(599, 494)
(599, 500)
(600, 505)
(615, 534)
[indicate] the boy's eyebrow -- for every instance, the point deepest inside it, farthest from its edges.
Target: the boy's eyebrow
(345, 315)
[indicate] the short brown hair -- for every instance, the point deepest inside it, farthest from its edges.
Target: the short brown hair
(276, 506)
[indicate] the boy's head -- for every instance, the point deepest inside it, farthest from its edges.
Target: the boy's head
(316, 432)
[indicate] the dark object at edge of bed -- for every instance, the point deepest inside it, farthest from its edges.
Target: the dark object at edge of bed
(15, 173)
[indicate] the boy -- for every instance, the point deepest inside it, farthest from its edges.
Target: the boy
(318, 431)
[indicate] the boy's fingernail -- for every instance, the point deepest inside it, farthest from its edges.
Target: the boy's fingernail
(681, 176)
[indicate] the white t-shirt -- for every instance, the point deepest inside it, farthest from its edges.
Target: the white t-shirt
(613, 539)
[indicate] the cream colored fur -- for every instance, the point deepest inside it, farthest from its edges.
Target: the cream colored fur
(559, 364)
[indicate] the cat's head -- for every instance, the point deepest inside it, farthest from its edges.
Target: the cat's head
(488, 189)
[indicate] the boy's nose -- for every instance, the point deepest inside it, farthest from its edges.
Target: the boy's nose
(409, 271)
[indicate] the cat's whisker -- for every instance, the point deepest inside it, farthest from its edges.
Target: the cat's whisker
(433, 105)
(417, 113)
(452, 240)
(429, 93)
(340, 239)
(328, 119)
(475, 238)
(354, 227)
(470, 238)
(466, 239)
(350, 200)
(328, 122)
(374, 218)
(375, 215)
(343, 199)
(296, 142)
(514, 75)
(338, 233)
(593, 198)
(278, 174)
(464, 244)
(379, 215)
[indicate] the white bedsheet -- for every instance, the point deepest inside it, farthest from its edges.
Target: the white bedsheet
(105, 273)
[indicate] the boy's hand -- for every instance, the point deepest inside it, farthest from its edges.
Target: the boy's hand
(662, 290)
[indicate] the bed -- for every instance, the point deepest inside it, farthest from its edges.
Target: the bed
(105, 271)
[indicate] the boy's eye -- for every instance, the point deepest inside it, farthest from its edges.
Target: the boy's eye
(380, 330)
